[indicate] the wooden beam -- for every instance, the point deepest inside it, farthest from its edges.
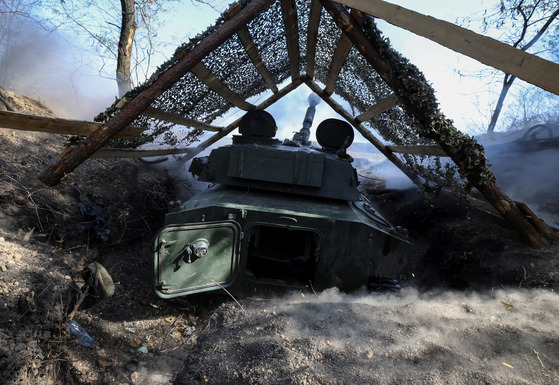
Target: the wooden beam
(511, 60)
(122, 153)
(184, 63)
(363, 131)
(206, 76)
(253, 54)
(418, 150)
(312, 35)
(289, 13)
(383, 105)
(26, 122)
(340, 54)
(157, 113)
(424, 113)
(231, 127)
(178, 119)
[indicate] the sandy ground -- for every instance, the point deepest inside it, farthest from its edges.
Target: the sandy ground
(480, 306)
(443, 337)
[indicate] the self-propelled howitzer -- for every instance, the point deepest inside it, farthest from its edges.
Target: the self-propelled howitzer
(278, 213)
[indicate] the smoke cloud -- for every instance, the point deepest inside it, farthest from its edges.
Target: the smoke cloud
(414, 338)
(43, 65)
(525, 168)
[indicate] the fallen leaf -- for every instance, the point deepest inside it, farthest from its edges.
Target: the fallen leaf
(105, 362)
(176, 334)
(136, 342)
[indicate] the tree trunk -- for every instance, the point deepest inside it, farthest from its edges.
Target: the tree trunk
(507, 83)
(127, 31)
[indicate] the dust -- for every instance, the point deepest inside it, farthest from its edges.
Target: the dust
(524, 163)
(43, 65)
(529, 177)
(392, 175)
(445, 337)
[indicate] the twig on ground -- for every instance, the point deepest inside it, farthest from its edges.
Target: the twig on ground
(312, 288)
(78, 303)
(171, 327)
(538, 357)
(6, 102)
(525, 277)
(297, 370)
(231, 295)
(288, 349)
(508, 305)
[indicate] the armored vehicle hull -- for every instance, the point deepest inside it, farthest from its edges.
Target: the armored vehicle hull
(254, 237)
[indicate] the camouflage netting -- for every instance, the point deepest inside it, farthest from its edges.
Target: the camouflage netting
(416, 120)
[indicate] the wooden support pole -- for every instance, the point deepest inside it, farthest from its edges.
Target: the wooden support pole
(231, 127)
(494, 195)
(122, 153)
(107, 153)
(383, 105)
(289, 13)
(26, 122)
(178, 119)
(312, 35)
(206, 76)
(363, 131)
(185, 63)
(511, 60)
(340, 54)
(253, 54)
(157, 113)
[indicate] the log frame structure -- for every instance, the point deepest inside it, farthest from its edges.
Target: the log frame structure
(403, 91)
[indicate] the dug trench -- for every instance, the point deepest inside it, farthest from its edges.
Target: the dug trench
(469, 276)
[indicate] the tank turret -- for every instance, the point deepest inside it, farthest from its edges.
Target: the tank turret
(277, 211)
(260, 162)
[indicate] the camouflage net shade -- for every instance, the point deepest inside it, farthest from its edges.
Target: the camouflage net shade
(357, 83)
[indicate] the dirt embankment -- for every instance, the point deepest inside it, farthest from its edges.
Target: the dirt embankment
(487, 332)
(49, 236)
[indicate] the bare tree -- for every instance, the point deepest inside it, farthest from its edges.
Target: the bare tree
(531, 106)
(525, 23)
(127, 32)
